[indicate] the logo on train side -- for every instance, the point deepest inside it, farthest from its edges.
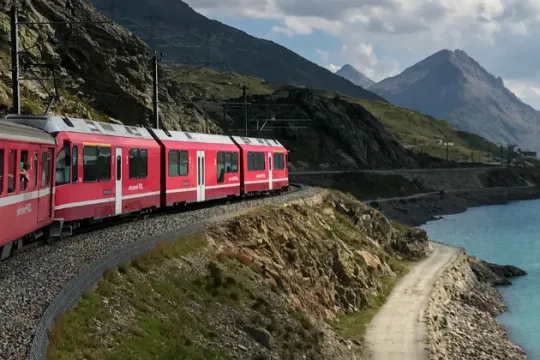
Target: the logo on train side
(260, 176)
(21, 210)
(135, 187)
(233, 178)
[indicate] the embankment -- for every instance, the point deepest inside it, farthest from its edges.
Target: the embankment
(461, 313)
(271, 283)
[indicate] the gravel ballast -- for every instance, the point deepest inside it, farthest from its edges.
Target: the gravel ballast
(29, 281)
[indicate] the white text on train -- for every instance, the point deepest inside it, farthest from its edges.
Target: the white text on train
(135, 187)
(24, 209)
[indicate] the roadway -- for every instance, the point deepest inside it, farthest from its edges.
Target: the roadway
(398, 331)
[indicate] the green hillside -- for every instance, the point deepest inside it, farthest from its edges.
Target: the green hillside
(416, 131)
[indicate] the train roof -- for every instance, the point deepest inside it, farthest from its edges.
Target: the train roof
(54, 124)
(18, 132)
(242, 140)
(192, 137)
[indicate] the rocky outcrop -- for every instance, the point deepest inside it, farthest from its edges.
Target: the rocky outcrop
(340, 134)
(328, 258)
(103, 70)
(462, 309)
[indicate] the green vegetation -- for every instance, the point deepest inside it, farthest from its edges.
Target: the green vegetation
(416, 131)
(215, 85)
(420, 133)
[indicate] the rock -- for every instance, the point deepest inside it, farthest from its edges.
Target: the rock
(262, 336)
(461, 313)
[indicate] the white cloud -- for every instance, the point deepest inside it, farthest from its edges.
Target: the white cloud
(382, 37)
(527, 91)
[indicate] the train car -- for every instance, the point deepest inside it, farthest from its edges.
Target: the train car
(198, 167)
(26, 200)
(102, 169)
(263, 163)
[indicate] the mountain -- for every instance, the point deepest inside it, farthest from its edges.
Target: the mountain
(453, 86)
(356, 77)
(182, 34)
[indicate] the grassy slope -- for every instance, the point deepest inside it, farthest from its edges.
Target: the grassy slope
(406, 125)
(157, 307)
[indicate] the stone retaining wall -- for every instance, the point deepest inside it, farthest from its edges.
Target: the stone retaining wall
(461, 316)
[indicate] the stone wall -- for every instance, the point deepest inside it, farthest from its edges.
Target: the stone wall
(449, 179)
(461, 313)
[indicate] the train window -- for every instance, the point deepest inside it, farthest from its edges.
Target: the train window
(234, 162)
(1, 171)
(45, 169)
(74, 164)
(184, 162)
(279, 161)
(173, 162)
(104, 162)
(249, 161)
(35, 167)
(62, 168)
(178, 162)
(220, 166)
(12, 170)
(260, 161)
(227, 162)
(24, 166)
(96, 163)
(256, 161)
(228, 165)
(138, 163)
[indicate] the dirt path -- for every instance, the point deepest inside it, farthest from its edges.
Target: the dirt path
(398, 331)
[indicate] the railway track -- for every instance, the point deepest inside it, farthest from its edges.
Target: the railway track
(41, 283)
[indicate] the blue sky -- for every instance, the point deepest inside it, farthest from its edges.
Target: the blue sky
(304, 45)
(381, 38)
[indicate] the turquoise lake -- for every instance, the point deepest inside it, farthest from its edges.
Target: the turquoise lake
(509, 235)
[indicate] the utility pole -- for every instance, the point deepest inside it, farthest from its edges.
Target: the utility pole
(15, 78)
(447, 152)
(244, 92)
(155, 101)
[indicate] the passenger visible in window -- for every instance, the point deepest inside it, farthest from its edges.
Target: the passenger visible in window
(23, 175)
(221, 175)
(228, 169)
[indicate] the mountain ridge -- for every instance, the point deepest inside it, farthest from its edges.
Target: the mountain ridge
(185, 35)
(452, 85)
(350, 73)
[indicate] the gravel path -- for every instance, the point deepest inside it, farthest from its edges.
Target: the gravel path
(398, 331)
(30, 280)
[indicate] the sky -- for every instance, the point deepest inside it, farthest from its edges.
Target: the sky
(381, 38)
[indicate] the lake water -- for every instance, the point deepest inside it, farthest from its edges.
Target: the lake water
(508, 235)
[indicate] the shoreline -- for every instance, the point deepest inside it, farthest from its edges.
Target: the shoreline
(465, 299)
(418, 211)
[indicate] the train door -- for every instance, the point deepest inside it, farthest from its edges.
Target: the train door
(45, 193)
(270, 170)
(200, 176)
(118, 190)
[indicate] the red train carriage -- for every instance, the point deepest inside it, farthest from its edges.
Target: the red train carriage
(26, 202)
(198, 167)
(263, 163)
(102, 169)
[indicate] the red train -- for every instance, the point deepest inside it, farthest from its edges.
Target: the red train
(103, 170)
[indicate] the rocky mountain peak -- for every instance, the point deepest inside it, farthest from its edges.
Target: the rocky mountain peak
(356, 77)
(453, 86)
